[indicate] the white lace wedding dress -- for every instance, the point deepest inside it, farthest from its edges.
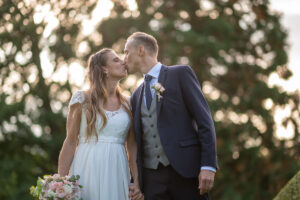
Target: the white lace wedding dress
(102, 164)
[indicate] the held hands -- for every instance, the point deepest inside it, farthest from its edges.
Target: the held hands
(135, 192)
(206, 181)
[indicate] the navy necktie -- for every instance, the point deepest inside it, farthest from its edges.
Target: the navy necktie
(148, 91)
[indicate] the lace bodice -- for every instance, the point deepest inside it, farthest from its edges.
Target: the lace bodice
(117, 126)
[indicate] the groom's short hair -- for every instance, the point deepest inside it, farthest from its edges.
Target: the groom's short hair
(148, 41)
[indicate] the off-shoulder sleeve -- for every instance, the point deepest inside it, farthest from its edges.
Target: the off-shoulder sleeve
(77, 97)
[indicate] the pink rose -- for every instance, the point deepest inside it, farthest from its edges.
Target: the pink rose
(55, 185)
(46, 194)
(68, 177)
(69, 196)
(76, 183)
(60, 192)
(56, 176)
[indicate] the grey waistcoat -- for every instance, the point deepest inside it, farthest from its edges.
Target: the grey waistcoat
(153, 152)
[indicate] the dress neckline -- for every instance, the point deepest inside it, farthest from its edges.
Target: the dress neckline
(112, 111)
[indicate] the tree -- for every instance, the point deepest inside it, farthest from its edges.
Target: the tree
(33, 104)
(233, 46)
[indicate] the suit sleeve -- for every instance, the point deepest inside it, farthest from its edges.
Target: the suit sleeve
(198, 108)
(132, 104)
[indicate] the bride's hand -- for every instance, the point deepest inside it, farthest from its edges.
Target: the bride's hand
(135, 192)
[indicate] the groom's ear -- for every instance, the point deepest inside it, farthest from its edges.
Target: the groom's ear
(141, 50)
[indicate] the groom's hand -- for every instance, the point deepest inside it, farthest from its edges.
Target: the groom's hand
(206, 181)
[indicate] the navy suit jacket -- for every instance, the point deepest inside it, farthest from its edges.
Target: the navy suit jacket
(184, 122)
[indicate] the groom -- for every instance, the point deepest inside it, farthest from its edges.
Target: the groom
(174, 130)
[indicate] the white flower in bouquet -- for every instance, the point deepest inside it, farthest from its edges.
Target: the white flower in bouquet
(51, 194)
(68, 189)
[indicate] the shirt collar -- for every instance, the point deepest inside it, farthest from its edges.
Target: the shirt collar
(154, 72)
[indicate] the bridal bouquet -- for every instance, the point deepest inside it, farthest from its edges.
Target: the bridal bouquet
(57, 187)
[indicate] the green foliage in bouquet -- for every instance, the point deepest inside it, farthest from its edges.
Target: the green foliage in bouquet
(37, 190)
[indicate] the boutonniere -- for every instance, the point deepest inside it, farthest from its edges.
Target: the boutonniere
(159, 90)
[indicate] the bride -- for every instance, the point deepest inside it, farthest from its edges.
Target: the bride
(98, 125)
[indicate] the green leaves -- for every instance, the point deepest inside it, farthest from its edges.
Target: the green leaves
(37, 191)
(233, 46)
(74, 178)
(31, 129)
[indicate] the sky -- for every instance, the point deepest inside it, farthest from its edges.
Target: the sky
(290, 10)
(290, 21)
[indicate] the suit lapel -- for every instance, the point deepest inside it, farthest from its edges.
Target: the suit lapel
(161, 79)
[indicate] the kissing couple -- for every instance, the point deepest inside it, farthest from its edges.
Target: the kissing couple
(162, 138)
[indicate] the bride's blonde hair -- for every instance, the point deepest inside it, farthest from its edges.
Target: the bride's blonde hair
(96, 96)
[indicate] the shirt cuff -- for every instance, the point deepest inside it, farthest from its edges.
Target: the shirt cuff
(208, 168)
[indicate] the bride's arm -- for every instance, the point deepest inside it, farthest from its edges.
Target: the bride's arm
(132, 151)
(68, 149)
(135, 192)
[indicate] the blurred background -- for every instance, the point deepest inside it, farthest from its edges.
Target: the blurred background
(244, 52)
